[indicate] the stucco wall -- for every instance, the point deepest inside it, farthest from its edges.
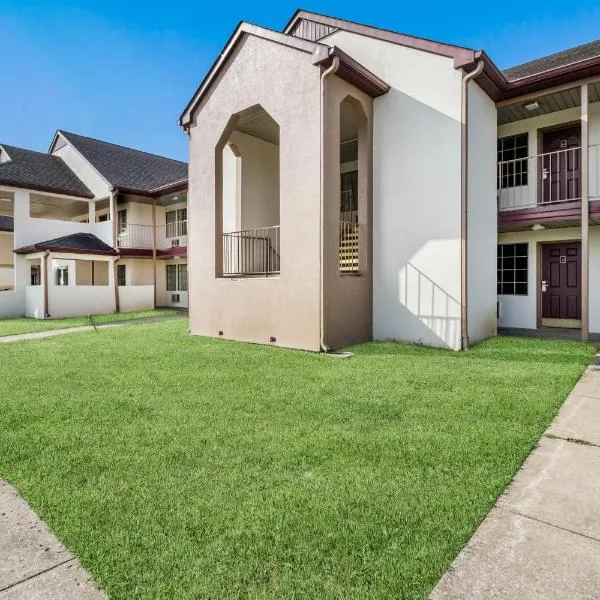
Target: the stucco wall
(254, 309)
(6, 259)
(482, 216)
(416, 193)
(348, 298)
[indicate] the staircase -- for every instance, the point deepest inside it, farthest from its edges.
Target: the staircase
(348, 247)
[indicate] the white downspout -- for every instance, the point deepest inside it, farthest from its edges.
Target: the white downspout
(464, 205)
(331, 69)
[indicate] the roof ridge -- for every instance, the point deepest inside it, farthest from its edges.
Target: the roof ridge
(87, 137)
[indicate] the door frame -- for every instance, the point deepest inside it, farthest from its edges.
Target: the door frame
(539, 270)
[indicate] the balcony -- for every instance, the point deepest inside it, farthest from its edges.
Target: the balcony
(134, 236)
(546, 188)
(251, 252)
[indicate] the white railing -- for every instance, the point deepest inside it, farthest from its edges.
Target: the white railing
(136, 236)
(251, 252)
(546, 179)
(176, 229)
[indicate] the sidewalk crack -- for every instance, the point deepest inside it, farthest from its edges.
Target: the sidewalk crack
(573, 440)
(34, 575)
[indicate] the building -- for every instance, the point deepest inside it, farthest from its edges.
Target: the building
(350, 183)
(90, 227)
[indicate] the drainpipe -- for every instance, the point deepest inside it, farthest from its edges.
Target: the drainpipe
(464, 197)
(115, 236)
(330, 70)
(45, 274)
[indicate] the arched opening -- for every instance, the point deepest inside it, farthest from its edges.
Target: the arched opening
(350, 175)
(249, 195)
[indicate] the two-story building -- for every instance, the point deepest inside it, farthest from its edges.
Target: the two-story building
(90, 227)
(350, 183)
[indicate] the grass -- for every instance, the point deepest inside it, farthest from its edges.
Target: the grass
(17, 325)
(184, 467)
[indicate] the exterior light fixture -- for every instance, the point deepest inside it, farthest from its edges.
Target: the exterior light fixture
(531, 105)
(537, 227)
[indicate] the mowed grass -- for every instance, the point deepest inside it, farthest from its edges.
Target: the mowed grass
(17, 325)
(183, 467)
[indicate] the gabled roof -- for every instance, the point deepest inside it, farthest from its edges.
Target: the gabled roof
(553, 61)
(350, 69)
(39, 171)
(77, 243)
(7, 223)
(127, 169)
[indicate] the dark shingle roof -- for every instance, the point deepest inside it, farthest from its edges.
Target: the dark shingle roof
(7, 223)
(39, 171)
(79, 243)
(126, 168)
(560, 59)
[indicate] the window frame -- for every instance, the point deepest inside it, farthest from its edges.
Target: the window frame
(35, 274)
(121, 275)
(61, 280)
(172, 228)
(512, 153)
(508, 258)
(122, 222)
(176, 278)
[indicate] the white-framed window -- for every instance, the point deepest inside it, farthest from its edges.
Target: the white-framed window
(61, 276)
(121, 275)
(35, 275)
(512, 268)
(122, 221)
(512, 161)
(177, 280)
(176, 221)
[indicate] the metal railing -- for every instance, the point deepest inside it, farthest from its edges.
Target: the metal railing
(349, 247)
(251, 252)
(135, 236)
(546, 179)
(176, 229)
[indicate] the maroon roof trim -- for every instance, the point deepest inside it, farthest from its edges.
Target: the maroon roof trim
(42, 248)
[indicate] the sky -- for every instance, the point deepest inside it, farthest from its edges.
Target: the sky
(123, 71)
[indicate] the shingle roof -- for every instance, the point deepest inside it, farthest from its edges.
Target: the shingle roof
(39, 171)
(7, 223)
(126, 168)
(79, 243)
(560, 59)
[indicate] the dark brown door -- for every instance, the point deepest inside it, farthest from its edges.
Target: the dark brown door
(561, 165)
(561, 281)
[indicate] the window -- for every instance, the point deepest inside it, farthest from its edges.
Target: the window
(102, 218)
(121, 275)
(512, 269)
(61, 276)
(176, 222)
(512, 161)
(182, 278)
(122, 221)
(177, 278)
(35, 275)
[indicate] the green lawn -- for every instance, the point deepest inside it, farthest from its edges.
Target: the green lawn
(14, 326)
(183, 467)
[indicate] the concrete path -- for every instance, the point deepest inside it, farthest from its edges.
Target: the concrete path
(36, 335)
(34, 565)
(542, 538)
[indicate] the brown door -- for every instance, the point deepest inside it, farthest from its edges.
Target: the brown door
(561, 281)
(561, 165)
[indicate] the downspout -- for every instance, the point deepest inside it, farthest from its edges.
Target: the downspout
(330, 70)
(45, 274)
(115, 235)
(464, 206)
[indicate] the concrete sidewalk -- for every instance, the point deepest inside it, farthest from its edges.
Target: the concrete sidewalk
(34, 565)
(542, 538)
(36, 335)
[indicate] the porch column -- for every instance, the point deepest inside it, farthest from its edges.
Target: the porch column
(585, 215)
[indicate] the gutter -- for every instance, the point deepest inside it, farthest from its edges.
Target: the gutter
(464, 203)
(329, 71)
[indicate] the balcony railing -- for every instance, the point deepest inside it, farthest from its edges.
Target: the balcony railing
(251, 252)
(546, 179)
(133, 235)
(349, 245)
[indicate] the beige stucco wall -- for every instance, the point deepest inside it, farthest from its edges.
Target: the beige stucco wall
(348, 298)
(416, 192)
(254, 309)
